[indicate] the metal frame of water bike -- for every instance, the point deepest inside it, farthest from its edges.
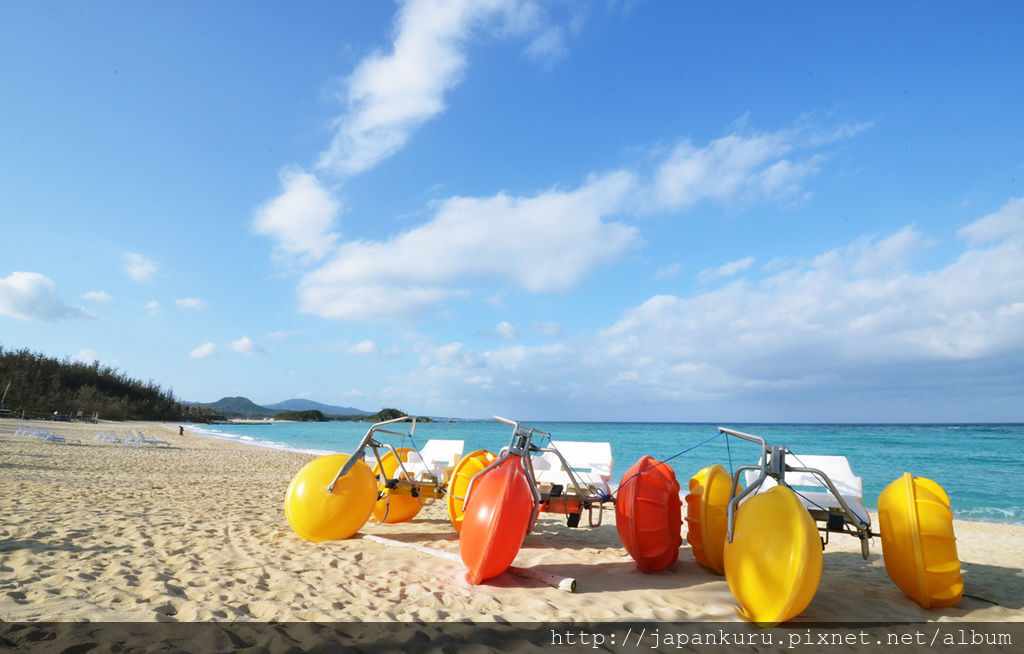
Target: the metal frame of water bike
(773, 464)
(521, 445)
(403, 483)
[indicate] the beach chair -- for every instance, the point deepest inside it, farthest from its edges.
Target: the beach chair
(142, 440)
(572, 476)
(130, 439)
(813, 492)
(435, 461)
(589, 463)
(42, 433)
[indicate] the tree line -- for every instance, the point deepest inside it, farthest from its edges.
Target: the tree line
(39, 386)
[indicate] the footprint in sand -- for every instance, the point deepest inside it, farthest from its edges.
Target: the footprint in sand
(18, 597)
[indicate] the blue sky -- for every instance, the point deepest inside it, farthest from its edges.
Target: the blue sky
(544, 210)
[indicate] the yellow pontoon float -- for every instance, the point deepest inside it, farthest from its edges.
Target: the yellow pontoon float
(768, 538)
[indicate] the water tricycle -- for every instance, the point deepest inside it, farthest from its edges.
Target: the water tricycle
(767, 538)
(334, 495)
(504, 500)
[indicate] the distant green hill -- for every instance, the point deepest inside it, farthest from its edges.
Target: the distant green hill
(309, 405)
(243, 407)
(311, 415)
(237, 407)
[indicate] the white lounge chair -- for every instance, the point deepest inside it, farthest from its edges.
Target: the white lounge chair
(812, 490)
(106, 436)
(590, 463)
(435, 460)
(55, 438)
(42, 433)
(142, 440)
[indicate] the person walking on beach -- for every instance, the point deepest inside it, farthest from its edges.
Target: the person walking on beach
(181, 430)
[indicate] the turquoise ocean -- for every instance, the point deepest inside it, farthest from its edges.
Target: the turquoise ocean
(981, 466)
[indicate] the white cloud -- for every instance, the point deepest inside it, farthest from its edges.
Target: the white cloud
(153, 308)
(858, 321)
(548, 45)
(285, 333)
(191, 303)
(138, 267)
(735, 168)
(506, 330)
(853, 307)
(452, 355)
(364, 348)
(726, 269)
(85, 356)
(204, 351)
(368, 348)
(300, 219)
(893, 251)
(245, 346)
(669, 271)
(97, 296)
(551, 329)
(390, 94)
(1009, 220)
(547, 37)
(32, 296)
(548, 242)
(512, 380)
(503, 237)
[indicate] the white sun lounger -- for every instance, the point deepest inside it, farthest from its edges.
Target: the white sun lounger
(590, 462)
(435, 460)
(142, 440)
(812, 491)
(41, 433)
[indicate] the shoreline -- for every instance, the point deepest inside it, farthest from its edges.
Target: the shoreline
(195, 532)
(209, 431)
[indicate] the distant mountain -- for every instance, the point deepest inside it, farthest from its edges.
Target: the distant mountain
(234, 407)
(310, 405)
(237, 406)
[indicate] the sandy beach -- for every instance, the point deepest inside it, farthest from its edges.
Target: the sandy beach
(194, 531)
